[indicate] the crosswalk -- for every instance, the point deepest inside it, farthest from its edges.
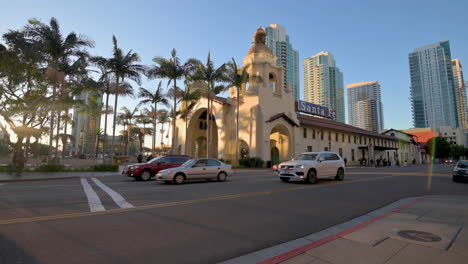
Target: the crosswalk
(95, 204)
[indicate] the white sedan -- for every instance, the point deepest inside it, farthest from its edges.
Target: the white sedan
(196, 169)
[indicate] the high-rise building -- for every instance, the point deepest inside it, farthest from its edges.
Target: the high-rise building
(460, 93)
(433, 94)
(86, 121)
(323, 83)
(365, 109)
(278, 42)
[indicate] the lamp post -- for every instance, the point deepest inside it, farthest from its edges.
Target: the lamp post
(329, 145)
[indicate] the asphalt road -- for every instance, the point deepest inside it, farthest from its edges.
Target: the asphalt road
(203, 222)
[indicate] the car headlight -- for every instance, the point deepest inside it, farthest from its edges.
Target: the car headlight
(299, 166)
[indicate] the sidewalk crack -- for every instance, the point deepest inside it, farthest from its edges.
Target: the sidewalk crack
(389, 258)
(454, 238)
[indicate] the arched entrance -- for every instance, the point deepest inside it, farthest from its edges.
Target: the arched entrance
(196, 141)
(279, 144)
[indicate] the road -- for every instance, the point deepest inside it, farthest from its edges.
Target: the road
(118, 220)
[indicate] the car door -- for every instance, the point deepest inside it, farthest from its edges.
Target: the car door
(328, 165)
(199, 170)
(321, 165)
(214, 167)
(334, 164)
(160, 164)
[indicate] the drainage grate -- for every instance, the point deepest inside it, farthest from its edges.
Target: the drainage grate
(419, 236)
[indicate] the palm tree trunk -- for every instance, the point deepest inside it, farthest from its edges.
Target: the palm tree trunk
(186, 135)
(174, 115)
(52, 119)
(127, 149)
(208, 127)
(58, 132)
(154, 128)
(105, 119)
(64, 139)
(115, 115)
(237, 128)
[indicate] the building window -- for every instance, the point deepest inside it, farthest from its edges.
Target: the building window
(325, 149)
(305, 132)
(365, 141)
(360, 139)
(349, 138)
(313, 133)
(309, 148)
(354, 139)
(321, 134)
(342, 137)
(329, 135)
(336, 137)
(352, 154)
(340, 151)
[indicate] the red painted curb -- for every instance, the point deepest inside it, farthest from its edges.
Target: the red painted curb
(300, 250)
(41, 179)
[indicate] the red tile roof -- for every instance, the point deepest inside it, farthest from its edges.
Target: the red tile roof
(423, 137)
(331, 124)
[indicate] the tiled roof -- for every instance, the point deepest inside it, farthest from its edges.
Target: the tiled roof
(423, 137)
(331, 124)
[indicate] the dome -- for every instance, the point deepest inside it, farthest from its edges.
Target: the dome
(258, 45)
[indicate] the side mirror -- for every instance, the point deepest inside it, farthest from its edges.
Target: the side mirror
(321, 159)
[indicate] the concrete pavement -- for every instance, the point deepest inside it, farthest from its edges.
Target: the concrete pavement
(426, 229)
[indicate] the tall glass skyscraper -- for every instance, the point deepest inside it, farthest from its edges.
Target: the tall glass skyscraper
(433, 94)
(278, 42)
(460, 93)
(365, 109)
(323, 83)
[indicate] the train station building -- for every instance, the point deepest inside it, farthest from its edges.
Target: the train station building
(273, 126)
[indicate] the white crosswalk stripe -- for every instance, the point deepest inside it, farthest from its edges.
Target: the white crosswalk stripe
(118, 199)
(94, 202)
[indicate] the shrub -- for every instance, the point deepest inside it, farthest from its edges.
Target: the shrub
(251, 162)
(50, 168)
(106, 167)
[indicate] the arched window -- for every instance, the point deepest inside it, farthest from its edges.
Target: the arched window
(272, 82)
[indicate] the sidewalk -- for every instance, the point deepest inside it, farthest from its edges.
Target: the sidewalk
(428, 229)
(45, 176)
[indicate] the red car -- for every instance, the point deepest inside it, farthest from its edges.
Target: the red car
(145, 171)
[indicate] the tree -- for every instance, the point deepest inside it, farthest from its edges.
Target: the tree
(438, 147)
(172, 69)
(58, 52)
(238, 78)
(456, 151)
(125, 117)
(163, 118)
(105, 79)
(123, 66)
(210, 76)
(158, 97)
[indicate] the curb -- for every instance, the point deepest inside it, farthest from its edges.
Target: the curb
(293, 248)
(52, 179)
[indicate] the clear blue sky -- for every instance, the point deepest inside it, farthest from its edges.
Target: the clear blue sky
(370, 39)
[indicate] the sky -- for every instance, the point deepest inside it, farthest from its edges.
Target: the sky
(370, 40)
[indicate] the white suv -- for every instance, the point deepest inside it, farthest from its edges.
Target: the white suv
(310, 166)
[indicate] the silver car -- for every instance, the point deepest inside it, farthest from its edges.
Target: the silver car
(196, 169)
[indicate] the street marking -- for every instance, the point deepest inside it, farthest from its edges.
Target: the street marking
(94, 202)
(171, 204)
(118, 199)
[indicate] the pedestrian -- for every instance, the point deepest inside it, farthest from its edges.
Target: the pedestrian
(345, 161)
(140, 158)
(385, 162)
(378, 162)
(371, 162)
(150, 157)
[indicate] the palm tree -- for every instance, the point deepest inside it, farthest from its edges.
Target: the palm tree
(105, 79)
(210, 76)
(238, 78)
(173, 70)
(126, 117)
(59, 51)
(190, 98)
(123, 66)
(155, 98)
(163, 118)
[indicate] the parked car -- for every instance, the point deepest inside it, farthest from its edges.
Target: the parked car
(196, 169)
(460, 171)
(145, 171)
(311, 166)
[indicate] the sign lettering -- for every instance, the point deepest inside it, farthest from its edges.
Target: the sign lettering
(315, 109)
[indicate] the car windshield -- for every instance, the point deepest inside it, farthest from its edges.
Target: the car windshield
(306, 156)
(154, 160)
(462, 164)
(188, 163)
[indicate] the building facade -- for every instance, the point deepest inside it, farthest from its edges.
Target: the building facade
(323, 83)
(460, 93)
(86, 123)
(278, 42)
(408, 148)
(270, 128)
(433, 93)
(365, 108)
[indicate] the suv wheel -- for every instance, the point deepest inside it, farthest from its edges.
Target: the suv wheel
(179, 178)
(145, 175)
(222, 176)
(339, 175)
(311, 177)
